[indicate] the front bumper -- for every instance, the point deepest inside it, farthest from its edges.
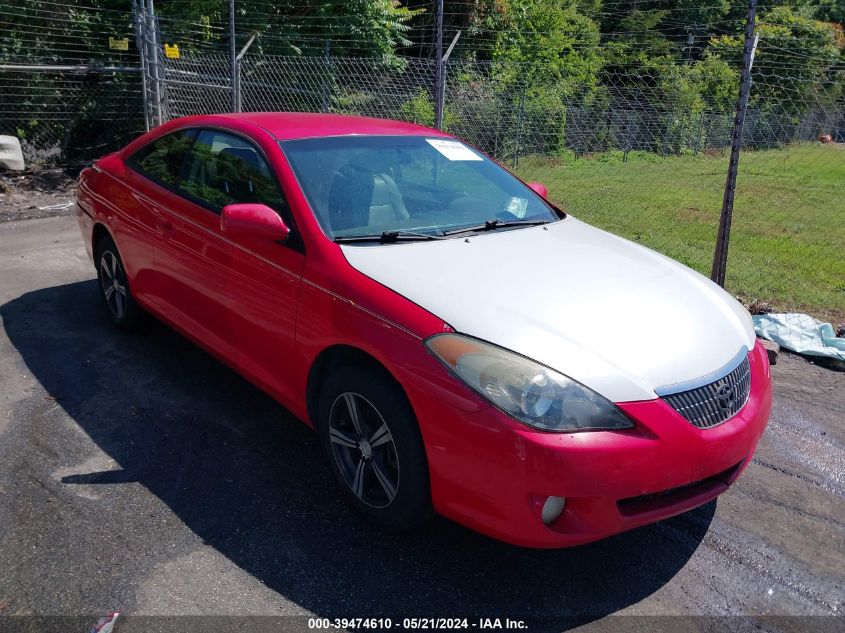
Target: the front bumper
(493, 474)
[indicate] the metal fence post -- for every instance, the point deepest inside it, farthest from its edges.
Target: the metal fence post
(154, 62)
(236, 87)
(520, 116)
(444, 73)
(238, 76)
(139, 20)
(438, 69)
(233, 62)
(698, 142)
(161, 91)
(720, 255)
(325, 100)
(441, 93)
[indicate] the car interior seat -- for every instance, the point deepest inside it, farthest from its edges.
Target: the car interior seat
(349, 198)
(361, 197)
(387, 204)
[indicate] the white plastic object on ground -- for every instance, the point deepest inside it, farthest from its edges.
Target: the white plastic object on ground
(105, 624)
(800, 333)
(11, 156)
(55, 207)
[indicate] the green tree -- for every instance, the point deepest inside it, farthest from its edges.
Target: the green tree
(71, 32)
(794, 63)
(547, 57)
(374, 28)
(547, 43)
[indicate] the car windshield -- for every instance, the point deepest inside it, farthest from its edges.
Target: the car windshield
(409, 187)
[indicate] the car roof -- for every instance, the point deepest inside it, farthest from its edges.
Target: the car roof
(293, 125)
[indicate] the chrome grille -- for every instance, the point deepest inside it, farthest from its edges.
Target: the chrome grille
(711, 404)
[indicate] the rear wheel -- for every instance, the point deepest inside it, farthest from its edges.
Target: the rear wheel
(371, 439)
(114, 286)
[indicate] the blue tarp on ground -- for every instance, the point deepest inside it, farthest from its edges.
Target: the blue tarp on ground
(800, 333)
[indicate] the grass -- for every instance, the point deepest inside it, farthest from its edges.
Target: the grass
(788, 232)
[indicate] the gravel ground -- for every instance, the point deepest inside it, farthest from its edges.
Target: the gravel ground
(139, 474)
(40, 193)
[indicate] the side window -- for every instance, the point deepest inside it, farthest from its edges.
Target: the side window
(162, 159)
(226, 169)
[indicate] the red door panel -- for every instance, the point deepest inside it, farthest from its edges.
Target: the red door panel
(132, 223)
(193, 261)
(264, 285)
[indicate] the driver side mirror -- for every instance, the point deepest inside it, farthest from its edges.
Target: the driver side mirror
(255, 221)
(539, 188)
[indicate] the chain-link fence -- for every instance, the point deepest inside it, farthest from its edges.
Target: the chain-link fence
(642, 152)
(640, 160)
(70, 81)
(196, 84)
(788, 238)
(200, 83)
(69, 114)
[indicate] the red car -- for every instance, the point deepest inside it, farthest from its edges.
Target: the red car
(461, 345)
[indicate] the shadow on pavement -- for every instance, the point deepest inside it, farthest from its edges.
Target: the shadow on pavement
(249, 480)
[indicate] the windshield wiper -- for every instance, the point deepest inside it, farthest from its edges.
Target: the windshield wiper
(491, 225)
(388, 237)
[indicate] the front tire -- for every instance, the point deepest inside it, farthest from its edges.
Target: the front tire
(370, 437)
(114, 286)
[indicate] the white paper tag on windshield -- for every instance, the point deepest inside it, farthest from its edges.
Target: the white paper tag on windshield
(453, 150)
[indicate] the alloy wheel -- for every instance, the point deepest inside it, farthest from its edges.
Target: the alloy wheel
(113, 284)
(364, 450)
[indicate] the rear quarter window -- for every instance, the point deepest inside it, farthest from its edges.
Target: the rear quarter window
(162, 159)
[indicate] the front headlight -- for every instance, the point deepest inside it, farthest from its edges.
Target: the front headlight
(536, 395)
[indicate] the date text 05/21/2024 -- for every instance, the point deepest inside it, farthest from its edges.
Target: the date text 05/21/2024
(416, 623)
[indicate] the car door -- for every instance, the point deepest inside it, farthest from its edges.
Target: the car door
(264, 282)
(149, 175)
(192, 257)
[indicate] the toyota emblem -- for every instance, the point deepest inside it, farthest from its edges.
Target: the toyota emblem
(725, 397)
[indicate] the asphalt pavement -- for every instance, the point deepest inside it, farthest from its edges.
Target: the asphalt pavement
(139, 474)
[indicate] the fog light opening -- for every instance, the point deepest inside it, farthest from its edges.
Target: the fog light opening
(552, 509)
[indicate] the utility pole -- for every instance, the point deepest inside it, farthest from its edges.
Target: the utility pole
(438, 72)
(233, 57)
(720, 255)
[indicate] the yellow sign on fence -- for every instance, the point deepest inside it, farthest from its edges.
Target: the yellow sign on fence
(119, 44)
(171, 51)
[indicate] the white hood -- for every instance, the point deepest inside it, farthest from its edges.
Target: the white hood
(613, 315)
